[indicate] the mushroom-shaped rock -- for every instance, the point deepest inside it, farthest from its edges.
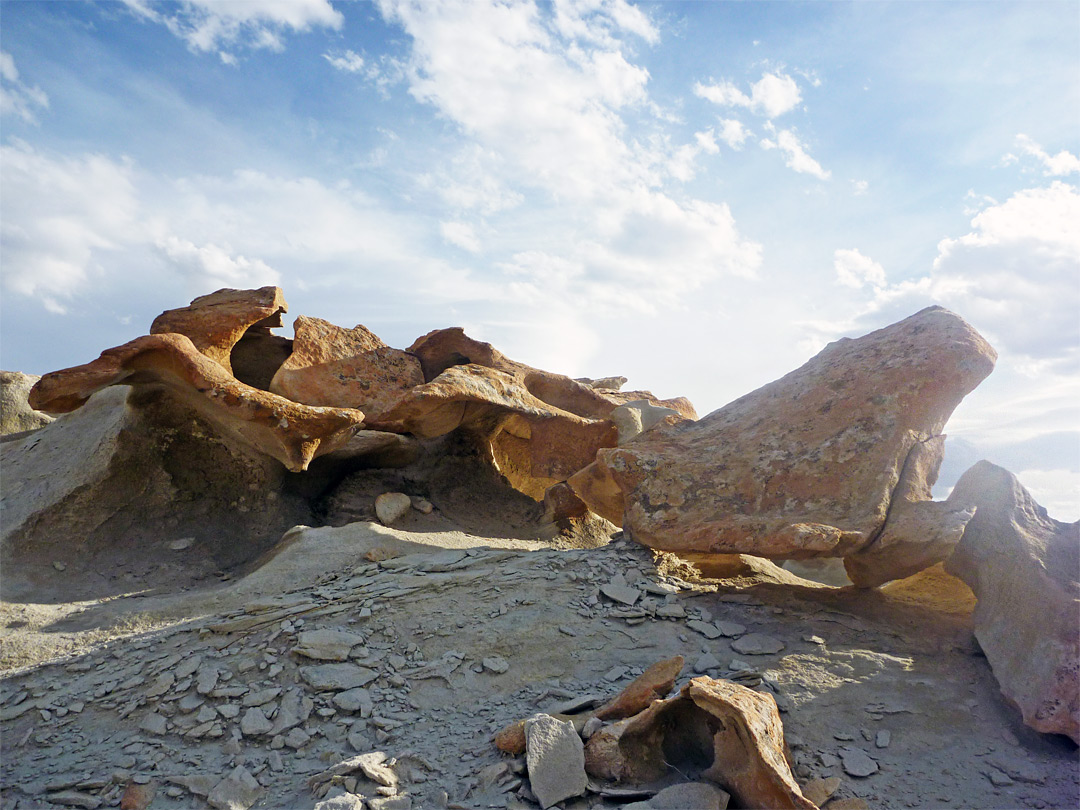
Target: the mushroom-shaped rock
(215, 323)
(732, 734)
(805, 466)
(285, 430)
(1023, 567)
(344, 368)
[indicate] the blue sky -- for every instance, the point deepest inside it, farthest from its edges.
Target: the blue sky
(697, 196)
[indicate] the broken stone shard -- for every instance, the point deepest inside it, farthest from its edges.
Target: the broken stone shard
(805, 466)
(1024, 568)
(652, 684)
(729, 733)
(555, 759)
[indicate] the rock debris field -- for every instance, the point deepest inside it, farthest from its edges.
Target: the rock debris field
(480, 585)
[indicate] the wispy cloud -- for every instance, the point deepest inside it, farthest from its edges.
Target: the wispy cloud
(1059, 165)
(853, 269)
(216, 26)
(17, 97)
(796, 156)
(771, 96)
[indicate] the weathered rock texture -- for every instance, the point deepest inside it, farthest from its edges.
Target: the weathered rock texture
(730, 734)
(16, 415)
(540, 427)
(215, 323)
(808, 465)
(345, 368)
(292, 433)
(1024, 568)
(127, 474)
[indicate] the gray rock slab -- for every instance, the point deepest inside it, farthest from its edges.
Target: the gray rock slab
(857, 762)
(555, 758)
(327, 644)
(757, 644)
(695, 795)
(623, 594)
(337, 677)
(237, 791)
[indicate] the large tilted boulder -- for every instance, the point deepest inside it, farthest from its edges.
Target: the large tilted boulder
(1024, 568)
(344, 368)
(808, 465)
(277, 427)
(16, 415)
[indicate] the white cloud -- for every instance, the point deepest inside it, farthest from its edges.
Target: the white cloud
(349, 61)
(859, 187)
(1059, 165)
(772, 95)
(460, 234)
(706, 141)
(59, 217)
(797, 158)
(213, 266)
(733, 133)
(1056, 490)
(214, 25)
(853, 269)
(540, 101)
(16, 97)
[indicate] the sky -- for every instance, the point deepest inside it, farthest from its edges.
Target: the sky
(698, 196)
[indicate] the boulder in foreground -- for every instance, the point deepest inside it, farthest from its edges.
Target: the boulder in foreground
(1023, 567)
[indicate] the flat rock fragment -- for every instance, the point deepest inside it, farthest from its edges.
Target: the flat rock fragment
(687, 796)
(555, 759)
(857, 762)
(757, 644)
(653, 684)
(327, 644)
(337, 677)
(237, 791)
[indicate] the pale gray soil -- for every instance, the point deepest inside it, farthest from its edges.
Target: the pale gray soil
(176, 690)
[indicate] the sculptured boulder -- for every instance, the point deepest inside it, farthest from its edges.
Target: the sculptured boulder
(344, 368)
(732, 734)
(287, 431)
(16, 415)
(1024, 568)
(806, 466)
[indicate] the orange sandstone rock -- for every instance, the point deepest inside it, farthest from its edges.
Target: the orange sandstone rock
(653, 684)
(292, 433)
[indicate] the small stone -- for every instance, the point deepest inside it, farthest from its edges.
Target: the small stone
(297, 738)
(355, 700)
(390, 507)
(74, 798)
(556, 760)
(698, 795)
(154, 723)
(615, 673)
(260, 697)
(207, 678)
(496, 664)
(757, 644)
(592, 725)
(705, 663)
(622, 594)
(182, 544)
(254, 723)
(327, 644)
(337, 677)
(421, 505)
(882, 739)
(671, 611)
(730, 629)
(59, 566)
(706, 629)
(229, 711)
(857, 762)
(162, 685)
(820, 791)
(237, 791)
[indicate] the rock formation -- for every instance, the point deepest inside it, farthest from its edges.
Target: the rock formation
(16, 415)
(1024, 568)
(730, 734)
(344, 368)
(808, 465)
(280, 428)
